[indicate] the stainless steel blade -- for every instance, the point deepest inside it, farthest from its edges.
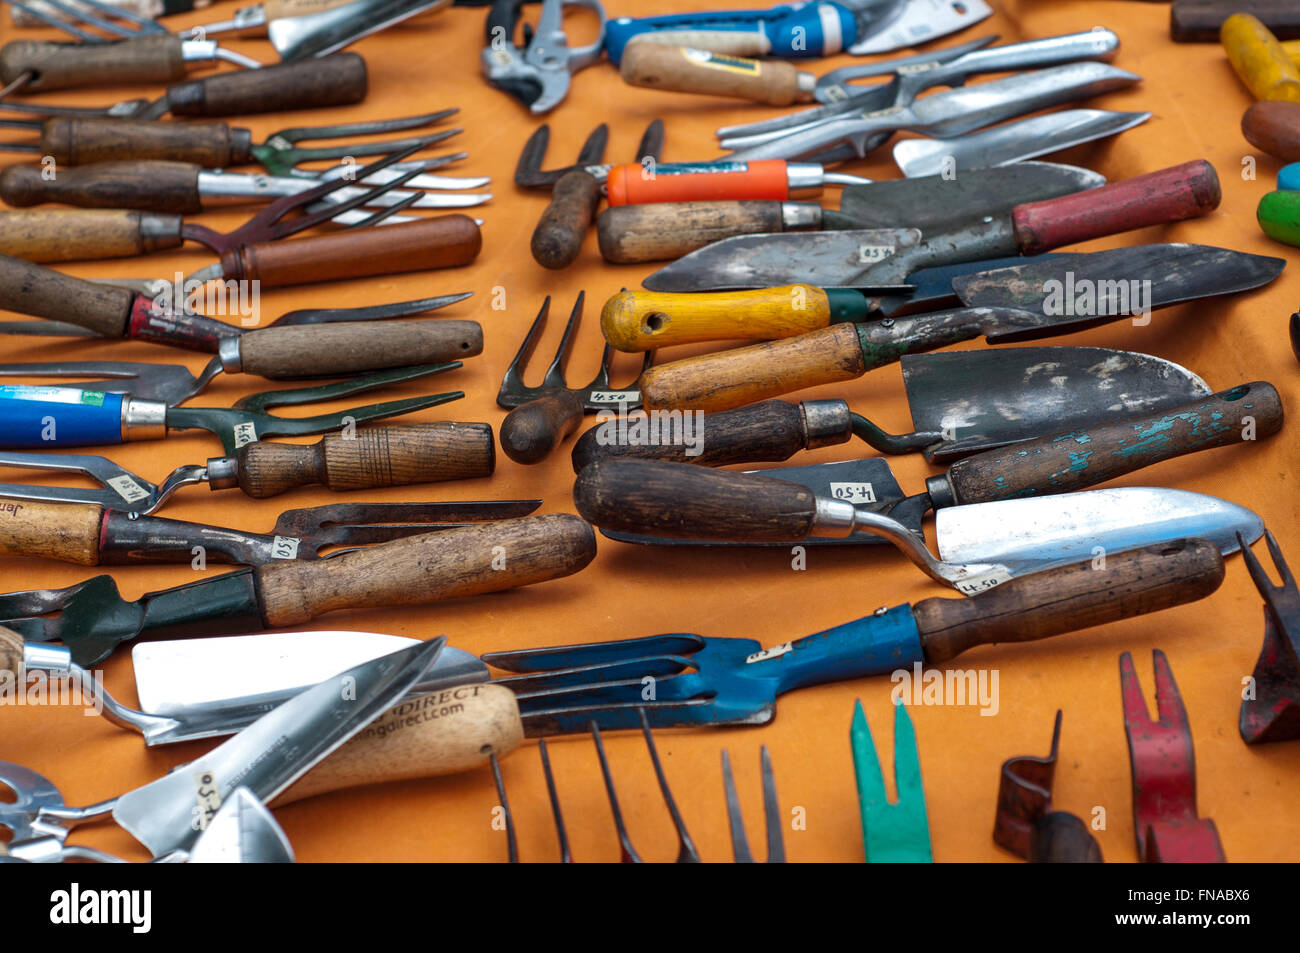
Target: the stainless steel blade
(242, 832)
(319, 34)
(920, 22)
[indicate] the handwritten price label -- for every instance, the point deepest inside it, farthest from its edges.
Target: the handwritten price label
(854, 492)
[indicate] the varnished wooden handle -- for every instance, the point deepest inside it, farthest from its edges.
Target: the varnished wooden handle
(1199, 21)
(68, 532)
(11, 651)
(685, 502)
(1092, 455)
(1275, 128)
(1259, 59)
(336, 80)
(1079, 596)
(82, 141)
(134, 62)
(557, 239)
(45, 293)
(748, 374)
(531, 431)
(346, 347)
(667, 230)
(685, 70)
(65, 234)
(643, 320)
(465, 561)
(446, 732)
(447, 241)
(147, 186)
(372, 457)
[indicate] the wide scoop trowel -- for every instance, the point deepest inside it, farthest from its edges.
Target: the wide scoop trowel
(328, 31)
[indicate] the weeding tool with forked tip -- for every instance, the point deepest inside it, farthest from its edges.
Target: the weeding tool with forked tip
(771, 812)
(897, 832)
(1271, 712)
(1165, 822)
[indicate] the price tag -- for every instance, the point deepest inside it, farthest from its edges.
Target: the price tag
(615, 396)
(917, 68)
(983, 582)
(870, 254)
(128, 489)
(285, 547)
(245, 433)
(879, 113)
(774, 652)
(854, 492)
(207, 799)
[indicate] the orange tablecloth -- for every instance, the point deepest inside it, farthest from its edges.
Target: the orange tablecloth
(1212, 645)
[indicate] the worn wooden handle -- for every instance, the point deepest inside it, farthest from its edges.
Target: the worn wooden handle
(456, 729)
(532, 430)
(398, 455)
(346, 347)
(66, 234)
(147, 186)
(668, 230)
(447, 241)
(68, 532)
(209, 144)
(644, 320)
(1079, 596)
(336, 80)
(1275, 128)
(148, 59)
(672, 499)
(682, 69)
(1157, 198)
(1259, 59)
(1199, 21)
(431, 567)
(557, 239)
(11, 651)
(42, 292)
(1092, 455)
(748, 374)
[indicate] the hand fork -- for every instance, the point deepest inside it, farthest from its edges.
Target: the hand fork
(896, 832)
(771, 810)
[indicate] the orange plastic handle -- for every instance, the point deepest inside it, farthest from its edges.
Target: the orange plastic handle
(634, 184)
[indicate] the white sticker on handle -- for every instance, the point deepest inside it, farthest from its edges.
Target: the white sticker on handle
(615, 396)
(983, 582)
(128, 489)
(773, 652)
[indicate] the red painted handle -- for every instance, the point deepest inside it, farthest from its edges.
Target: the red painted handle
(1170, 195)
(633, 184)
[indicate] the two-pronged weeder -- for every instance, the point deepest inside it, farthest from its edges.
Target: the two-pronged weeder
(897, 832)
(771, 812)
(1271, 712)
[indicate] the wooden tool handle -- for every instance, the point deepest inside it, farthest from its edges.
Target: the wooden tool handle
(672, 499)
(1093, 455)
(447, 241)
(45, 293)
(11, 651)
(682, 69)
(1157, 198)
(67, 234)
(1078, 596)
(431, 567)
(398, 455)
(531, 431)
(558, 237)
(347, 347)
(1259, 59)
(748, 374)
(1199, 21)
(69, 532)
(134, 62)
(209, 144)
(446, 732)
(668, 230)
(336, 80)
(277, 9)
(644, 320)
(1275, 128)
(147, 186)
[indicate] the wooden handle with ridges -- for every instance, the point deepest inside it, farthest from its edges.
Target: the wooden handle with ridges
(426, 736)
(431, 567)
(68, 532)
(347, 347)
(46, 235)
(42, 292)
(748, 374)
(532, 430)
(447, 241)
(651, 498)
(127, 184)
(643, 320)
(557, 239)
(1259, 59)
(399, 455)
(685, 70)
(82, 141)
(339, 79)
(1275, 128)
(1096, 454)
(134, 62)
(668, 230)
(1199, 21)
(1073, 597)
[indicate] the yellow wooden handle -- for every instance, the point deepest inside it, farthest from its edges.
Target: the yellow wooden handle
(1259, 59)
(1292, 49)
(641, 320)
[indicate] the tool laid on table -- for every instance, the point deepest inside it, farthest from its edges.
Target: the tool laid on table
(1259, 59)
(539, 74)
(897, 832)
(1027, 826)
(1271, 710)
(734, 681)
(255, 18)
(1200, 21)
(1278, 215)
(541, 417)
(1274, 127)
(1165, 821)
(330, 30)
(151, 9)
(771, 812)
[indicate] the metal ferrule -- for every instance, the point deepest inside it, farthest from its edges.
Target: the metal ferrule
(940, 491)
(228, 352)
(834, 518)
(41, 656)
(800, 216)
(807, 82)
(143, 419)
(804, 178)
(826, 423)
(202, 52)
(223, 473)
(216, 186)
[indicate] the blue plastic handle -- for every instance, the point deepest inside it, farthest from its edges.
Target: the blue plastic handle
(43, 417)
(1288, 179)
(790, 31)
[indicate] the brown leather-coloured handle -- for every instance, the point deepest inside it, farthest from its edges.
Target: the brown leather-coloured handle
(685, 70)
(371, 457)
(134, 62)
(557, 239)
(666, 230)
(68, 532)
(651, 498)
(347, 347)
(431, 567)
(146, 186)
(532, 430)
(1073, 597)
(45, 293)
(81, 141)
(1199, 21)
(336, 80)
(1275, 128)
(447, 241)
(11, 651)
(67, 234)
